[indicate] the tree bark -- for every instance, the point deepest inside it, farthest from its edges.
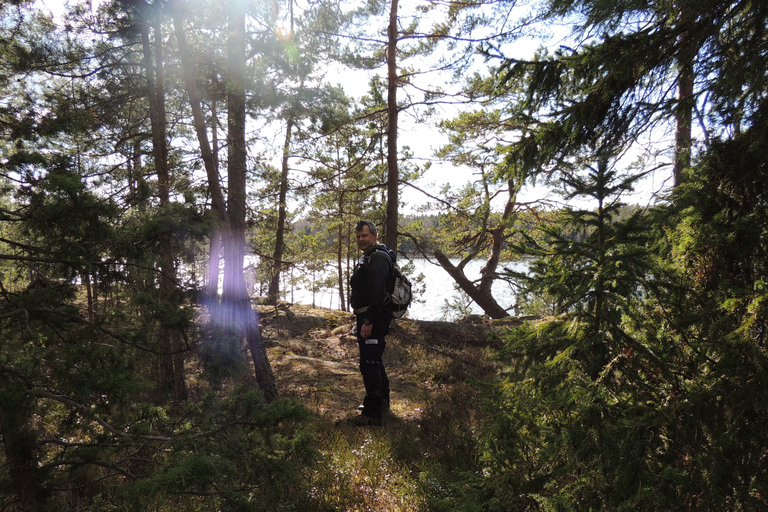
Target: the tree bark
(221, 231)
(393, 176)
(89, 296)
(340, 271)
(214, 254)
(209, 160)
(481, 292)
(20, 459)
(498, 236)
(172, 378)
(214, 257)
(685, 99)
(235, 310)
(483, 298)
(234, 249)
(273, 294)
(235, 294)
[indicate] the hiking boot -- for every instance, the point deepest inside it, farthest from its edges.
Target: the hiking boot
(364, 421)
(385, 407)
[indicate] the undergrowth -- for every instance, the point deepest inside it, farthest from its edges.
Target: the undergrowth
(429, 443)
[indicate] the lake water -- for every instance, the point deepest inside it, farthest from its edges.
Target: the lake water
(433, 296)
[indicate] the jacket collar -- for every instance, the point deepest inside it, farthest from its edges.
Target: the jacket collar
(377, 247)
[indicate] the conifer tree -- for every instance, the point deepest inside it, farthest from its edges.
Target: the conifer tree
(306, 105)
(619, 78)
(469, 221)
(421, 47)
(565, 403)
(709, 323)
(345, 179)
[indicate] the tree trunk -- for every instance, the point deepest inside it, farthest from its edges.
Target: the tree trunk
(214, 257)
(393, 177)
(172, 377)
(484, 299)
(209, 159)
(20, 459)
(235, 294)
(685, 99)
(221, 231)
(89, 296)
(482, 292)
(273, 294)
(234, 248)
(340, 270)
(214, 254)
(498, 237)
(235, 309)
(263, 371)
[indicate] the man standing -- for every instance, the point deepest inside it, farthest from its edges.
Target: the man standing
(369, 289)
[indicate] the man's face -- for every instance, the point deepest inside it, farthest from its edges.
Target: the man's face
(365, 240)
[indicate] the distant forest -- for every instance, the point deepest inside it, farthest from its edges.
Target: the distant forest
(419, 243)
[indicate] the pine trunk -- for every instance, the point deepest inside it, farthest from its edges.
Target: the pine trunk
(482, 298)
(339, 268)
(685, 101)
(273, 295)
(235, 294)
(393, 199)
(172, 378)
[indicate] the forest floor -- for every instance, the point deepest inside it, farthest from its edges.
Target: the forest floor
(314, 356)
(432, 438)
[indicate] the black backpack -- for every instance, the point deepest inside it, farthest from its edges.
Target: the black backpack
(399, 289)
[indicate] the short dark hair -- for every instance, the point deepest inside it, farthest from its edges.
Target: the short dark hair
(371, 226)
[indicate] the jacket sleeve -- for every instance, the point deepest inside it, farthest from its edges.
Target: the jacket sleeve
(378, 273)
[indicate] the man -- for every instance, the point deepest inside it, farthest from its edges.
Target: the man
(369, 288)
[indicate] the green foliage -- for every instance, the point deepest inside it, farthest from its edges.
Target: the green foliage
(643, 392)
(62, 218)
(363, 471)
(456, 307)
(232, 453)
(654, 406)
(592, 265)
(70, 380)
(610, 84)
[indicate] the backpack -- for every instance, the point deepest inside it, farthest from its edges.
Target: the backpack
(401, 294)
(399, 289)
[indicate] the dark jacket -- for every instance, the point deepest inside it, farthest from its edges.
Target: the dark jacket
(369, 282)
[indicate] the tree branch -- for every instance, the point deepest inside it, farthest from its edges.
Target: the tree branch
(83, 410)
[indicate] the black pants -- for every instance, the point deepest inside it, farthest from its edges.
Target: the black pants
(372, 368)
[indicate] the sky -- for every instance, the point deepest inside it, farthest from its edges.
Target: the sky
(424, 138)
(55, 7)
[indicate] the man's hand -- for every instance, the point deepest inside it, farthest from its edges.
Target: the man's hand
(366, 330)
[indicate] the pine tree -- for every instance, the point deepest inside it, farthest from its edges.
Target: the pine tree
(619, 79)
(470, 228)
